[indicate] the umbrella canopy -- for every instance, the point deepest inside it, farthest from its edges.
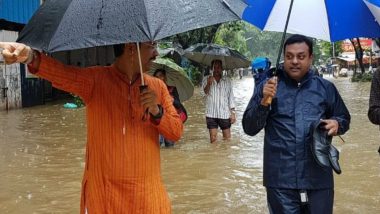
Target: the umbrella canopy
(175, 54)
(330, 20)
(374, 7)
(206, 53)
(260, 62)
(175, 76)
(74, 24)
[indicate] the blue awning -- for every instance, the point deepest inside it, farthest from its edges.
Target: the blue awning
(18, 11)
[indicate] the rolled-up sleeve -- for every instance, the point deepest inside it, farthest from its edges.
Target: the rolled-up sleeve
(170, 125)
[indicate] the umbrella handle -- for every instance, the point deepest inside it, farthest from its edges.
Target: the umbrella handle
(268, 100)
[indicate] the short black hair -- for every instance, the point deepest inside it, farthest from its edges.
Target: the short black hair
(214, 61)
(297, 38)
(163, 71)
(118, 50)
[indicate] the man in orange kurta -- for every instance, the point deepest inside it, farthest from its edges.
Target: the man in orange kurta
(122, 172)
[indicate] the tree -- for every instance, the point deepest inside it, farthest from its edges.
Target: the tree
(203, 35)
(232, 36)
(358, 54)
(327, 48)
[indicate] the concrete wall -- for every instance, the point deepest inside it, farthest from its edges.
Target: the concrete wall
(10, 79)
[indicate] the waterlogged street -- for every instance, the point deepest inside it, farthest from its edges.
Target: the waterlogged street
(42, 160)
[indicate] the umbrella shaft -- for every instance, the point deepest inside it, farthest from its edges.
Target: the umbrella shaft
(283, 37)
(140, 64)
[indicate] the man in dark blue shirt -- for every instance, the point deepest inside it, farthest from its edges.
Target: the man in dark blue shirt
(293, 179)
(374, 100)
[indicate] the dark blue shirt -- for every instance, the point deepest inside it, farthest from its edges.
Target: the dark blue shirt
(288, 161)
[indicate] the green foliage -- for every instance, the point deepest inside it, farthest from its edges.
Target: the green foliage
(250, 41)
(165, 45)
(196, 74)
(232, 36)
(327, 48)
(203, 35)
(358, 77)
(317, 53)
(262, 43)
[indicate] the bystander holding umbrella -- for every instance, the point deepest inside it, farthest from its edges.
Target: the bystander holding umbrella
(175, 76)
(206, 53)
(261, 62)
(174, 53)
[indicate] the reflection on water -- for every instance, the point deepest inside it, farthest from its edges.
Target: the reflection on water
(42, 151)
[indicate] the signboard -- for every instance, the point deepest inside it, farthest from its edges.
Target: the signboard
(366, 44)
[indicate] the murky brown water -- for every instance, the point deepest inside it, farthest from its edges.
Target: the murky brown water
(42, 151)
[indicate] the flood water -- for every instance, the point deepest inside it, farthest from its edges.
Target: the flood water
(42, 160)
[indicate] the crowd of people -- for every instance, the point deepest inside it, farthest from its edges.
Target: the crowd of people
(299, 111)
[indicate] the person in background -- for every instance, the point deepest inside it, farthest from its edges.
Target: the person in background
(294, 181)
(220, 105)
(161, 74)
(262, 73)
(122, 172)
(374, 100)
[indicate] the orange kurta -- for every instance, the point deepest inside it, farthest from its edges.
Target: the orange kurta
(122, 172)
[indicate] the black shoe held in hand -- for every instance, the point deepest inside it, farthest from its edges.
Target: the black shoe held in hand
(325, 154)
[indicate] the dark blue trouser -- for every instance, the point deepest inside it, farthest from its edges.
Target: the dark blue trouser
(288, 201)
(167, 143)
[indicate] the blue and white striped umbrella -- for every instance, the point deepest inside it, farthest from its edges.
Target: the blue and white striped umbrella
(330, 20)
(374, 7)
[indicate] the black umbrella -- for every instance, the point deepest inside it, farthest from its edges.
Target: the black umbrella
(174, 53)
(205, 53)
(73, 24)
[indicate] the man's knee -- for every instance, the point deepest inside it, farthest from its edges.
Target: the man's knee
(226, 134)
(213, 135)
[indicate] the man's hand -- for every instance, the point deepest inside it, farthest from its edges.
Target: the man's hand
(332, 127)
(16, 52)
(233, 117)
(148, 99)
(210, 80)
(269, 90)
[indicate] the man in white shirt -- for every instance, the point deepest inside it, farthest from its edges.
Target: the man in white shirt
(220, 106)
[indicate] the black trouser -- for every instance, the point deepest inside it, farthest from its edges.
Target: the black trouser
(288, 201)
